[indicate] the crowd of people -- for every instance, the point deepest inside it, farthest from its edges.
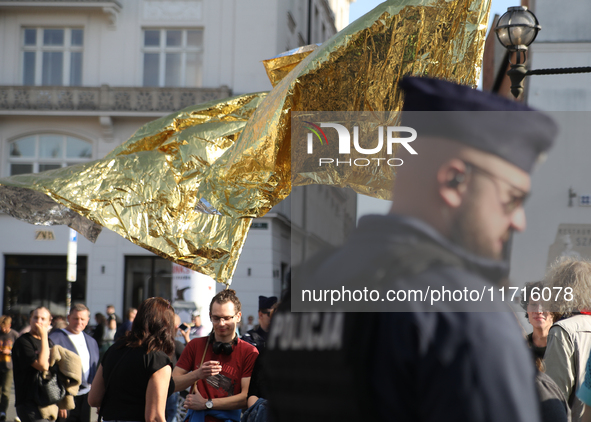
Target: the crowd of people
(448, 362)
(142, 372)
(126, 367)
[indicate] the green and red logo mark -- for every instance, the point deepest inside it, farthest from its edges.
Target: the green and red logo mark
(315, 128)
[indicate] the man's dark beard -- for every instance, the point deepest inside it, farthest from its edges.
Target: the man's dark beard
(466, 230)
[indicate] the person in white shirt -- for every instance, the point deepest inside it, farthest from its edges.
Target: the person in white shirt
(76, 340)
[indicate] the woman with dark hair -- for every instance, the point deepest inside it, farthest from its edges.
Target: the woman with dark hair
(134, 379)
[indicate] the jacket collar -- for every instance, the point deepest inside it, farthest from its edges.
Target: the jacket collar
(399, 228)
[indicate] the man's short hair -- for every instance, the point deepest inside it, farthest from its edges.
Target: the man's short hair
(130, 311)
(225, 296)
(79, 307)
(37, 309)
(5, 321)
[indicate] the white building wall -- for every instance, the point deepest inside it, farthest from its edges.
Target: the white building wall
(564, 41)
(238, 35)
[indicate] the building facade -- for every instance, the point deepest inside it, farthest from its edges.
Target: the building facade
(559, 212)
(78, 78)
(559, 216)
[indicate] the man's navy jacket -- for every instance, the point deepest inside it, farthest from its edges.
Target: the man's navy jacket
(61, 338)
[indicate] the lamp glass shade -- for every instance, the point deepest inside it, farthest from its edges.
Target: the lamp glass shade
(517, 27)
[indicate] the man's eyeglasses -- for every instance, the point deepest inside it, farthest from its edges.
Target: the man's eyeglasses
(515, 201)
(217, 319)
(268, 313)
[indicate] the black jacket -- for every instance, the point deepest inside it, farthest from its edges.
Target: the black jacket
(424, 364)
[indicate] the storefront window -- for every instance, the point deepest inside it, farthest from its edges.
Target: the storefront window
(31, 281)
(146, 276)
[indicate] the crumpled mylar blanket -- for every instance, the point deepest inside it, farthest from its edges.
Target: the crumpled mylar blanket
(147, 189)
(186, 186)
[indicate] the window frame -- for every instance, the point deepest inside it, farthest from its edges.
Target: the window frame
(67, 49)
(162, 49)
(37, 159)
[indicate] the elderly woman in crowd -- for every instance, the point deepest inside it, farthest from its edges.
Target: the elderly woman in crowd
(569, 339)
(134, 379)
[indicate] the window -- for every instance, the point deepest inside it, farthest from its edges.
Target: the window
(52, 56)
(173, 57)
(146, 276)
(36, 153)
(39, 280)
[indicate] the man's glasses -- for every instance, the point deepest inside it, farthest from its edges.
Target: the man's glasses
(217, 319)
(515, 201)
(268, 313)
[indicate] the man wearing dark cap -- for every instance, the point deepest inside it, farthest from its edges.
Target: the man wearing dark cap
(258, 335)
(456, 357)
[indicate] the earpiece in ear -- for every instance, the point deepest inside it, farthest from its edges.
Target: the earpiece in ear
(457, 180)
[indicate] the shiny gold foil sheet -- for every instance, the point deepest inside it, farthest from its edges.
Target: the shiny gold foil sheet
(278, 67)
(358, 69)
(187, 185)
(147, 189)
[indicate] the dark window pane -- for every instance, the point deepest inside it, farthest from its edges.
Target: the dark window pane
(193, 70)
(20, 169)
(151, 38)
(75, 69)
(174, 38)
(29, 68)
(77, 148)
(51, 146)
(30, 37)
(24, 147)
(53, 37)
(173, 69)
(45, 167)
(151, 73)
(53, 63)
(146, 277)
(40, 280)
(77, 37)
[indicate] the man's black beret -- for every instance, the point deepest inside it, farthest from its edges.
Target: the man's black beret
(488, 122)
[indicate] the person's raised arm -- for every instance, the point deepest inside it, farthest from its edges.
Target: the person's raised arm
(42, 362)
(156, 395)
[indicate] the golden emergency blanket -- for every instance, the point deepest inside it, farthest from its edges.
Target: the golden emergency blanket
(186, 186)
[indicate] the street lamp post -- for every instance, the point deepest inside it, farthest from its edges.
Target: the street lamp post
(516, 30)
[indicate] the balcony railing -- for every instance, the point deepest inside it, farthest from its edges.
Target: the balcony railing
(105, 98)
